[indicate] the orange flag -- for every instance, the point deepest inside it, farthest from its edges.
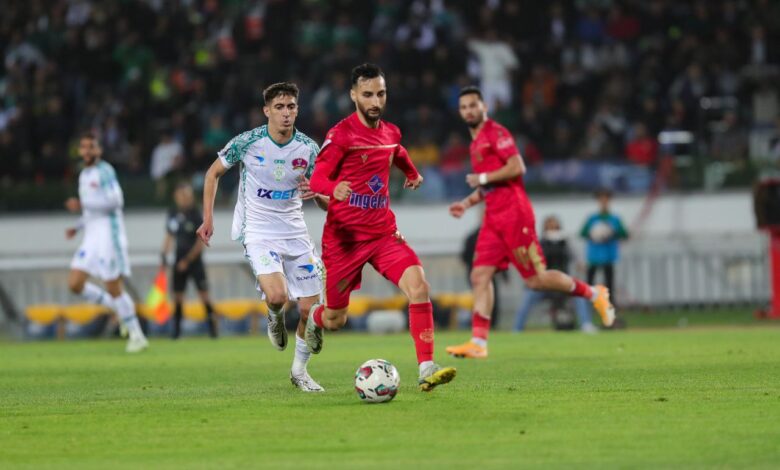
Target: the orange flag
(157, 298)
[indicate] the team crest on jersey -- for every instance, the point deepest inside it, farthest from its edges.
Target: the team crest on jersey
(364, 157)
(375, 184)
(299, 163)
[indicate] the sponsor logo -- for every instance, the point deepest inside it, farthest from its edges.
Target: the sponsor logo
(279, 161)
(368, 201)
(375, 184)
(299, 164)
(82, 253)
(426, 335)
(364, 157)
(260, 160)
(276, 195)
(309, 268)
(274, 256)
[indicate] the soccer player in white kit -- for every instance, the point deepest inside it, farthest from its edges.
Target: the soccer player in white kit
(275, 163)
(103, 251)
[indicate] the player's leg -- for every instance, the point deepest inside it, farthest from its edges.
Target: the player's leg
(342, 266)
(490, 256)
(274, 287)
(79, 284)
(198, 272)
(537, 277)
(125, 310)
(179, 286)
(299, 375)
(394, 259)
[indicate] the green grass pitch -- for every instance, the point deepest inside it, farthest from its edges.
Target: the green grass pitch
(703, 397)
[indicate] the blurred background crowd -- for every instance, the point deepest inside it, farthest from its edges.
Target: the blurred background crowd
(166, 83)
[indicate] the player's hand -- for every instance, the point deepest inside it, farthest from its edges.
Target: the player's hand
(342, 191)
(457, 209)
(205, 231)
(472, 179)
(73, 204)
(70, 233)
(304, 187)
(182, 265)
(399, 237)
(413, 184)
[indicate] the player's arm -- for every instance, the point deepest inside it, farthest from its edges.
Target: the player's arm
(166, 248)
(402, 161)
(457, 209)
(109, 197)
(513, 168)
(191, 256)
(71, 232)
(215, 172)
(324, 174)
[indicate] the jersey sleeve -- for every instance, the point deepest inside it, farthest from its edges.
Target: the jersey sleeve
(585, 231)
(328, 160)
(168, 217)
(404, 163)
(233, 152)
(504, 144)
(314, 151)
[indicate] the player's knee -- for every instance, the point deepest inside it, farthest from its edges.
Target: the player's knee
(76, 285)
(276, 298)
(420, 291)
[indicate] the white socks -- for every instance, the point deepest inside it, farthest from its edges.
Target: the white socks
(125, 310)
(301, 357)
(424, 365)
(94, 294)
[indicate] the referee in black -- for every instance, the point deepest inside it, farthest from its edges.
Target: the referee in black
(183, 221)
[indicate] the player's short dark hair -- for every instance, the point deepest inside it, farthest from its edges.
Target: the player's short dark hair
(605, 192)
(89, 135)
(366, 72)
(471, 90)
(280, 89)
(183, 184)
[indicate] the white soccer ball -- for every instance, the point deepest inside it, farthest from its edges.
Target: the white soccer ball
(376, 381)
(601, 232)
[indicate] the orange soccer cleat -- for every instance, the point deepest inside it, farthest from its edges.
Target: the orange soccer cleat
(468, 350)
(603, 306)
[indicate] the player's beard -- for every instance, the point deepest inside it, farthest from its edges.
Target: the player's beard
(90, 160)
(475, 123)
(371, 118)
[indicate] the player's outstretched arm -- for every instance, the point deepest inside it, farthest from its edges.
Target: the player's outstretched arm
(513, 168)
(457, 209)
(206, 229)
(321, 183)
(304, 187)
(402, 161)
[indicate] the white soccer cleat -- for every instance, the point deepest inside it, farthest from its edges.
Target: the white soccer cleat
(277, 333)
(305, 383)
(136, 344)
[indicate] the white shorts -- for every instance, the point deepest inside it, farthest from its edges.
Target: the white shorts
(295, 258)
(102, 258)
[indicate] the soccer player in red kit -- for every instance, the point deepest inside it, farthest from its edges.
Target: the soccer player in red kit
(353, 168)
(508, 233)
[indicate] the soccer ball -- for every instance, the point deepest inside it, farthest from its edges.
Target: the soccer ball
(376, 381)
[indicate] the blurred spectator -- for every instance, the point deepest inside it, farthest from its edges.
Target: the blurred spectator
(642, 149)
(167, 157)
(497, 61)
(455, 166)
(539, 90)
(730, 142)
(603, 231)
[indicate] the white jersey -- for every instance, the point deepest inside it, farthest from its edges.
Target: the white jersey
(269, 205)
(103, 251)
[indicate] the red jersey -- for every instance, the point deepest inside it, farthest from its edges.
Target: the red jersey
(507, 200)
(363, 156)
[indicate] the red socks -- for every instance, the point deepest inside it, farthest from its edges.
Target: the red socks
(480, 326)
(421, 329)
(317, 316)
(581, 289)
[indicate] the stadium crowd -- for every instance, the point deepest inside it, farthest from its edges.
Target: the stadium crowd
(167, 83)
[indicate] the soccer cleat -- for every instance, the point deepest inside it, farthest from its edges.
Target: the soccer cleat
(305, 383)
(468, 350)
(277, 333)
(603, 306)
(313, 333)
(435, 375)
(136, 344)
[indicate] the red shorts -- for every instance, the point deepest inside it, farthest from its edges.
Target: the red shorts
(344, 263)
(498, 246)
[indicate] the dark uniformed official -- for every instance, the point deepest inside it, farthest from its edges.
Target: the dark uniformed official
(183, 221)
